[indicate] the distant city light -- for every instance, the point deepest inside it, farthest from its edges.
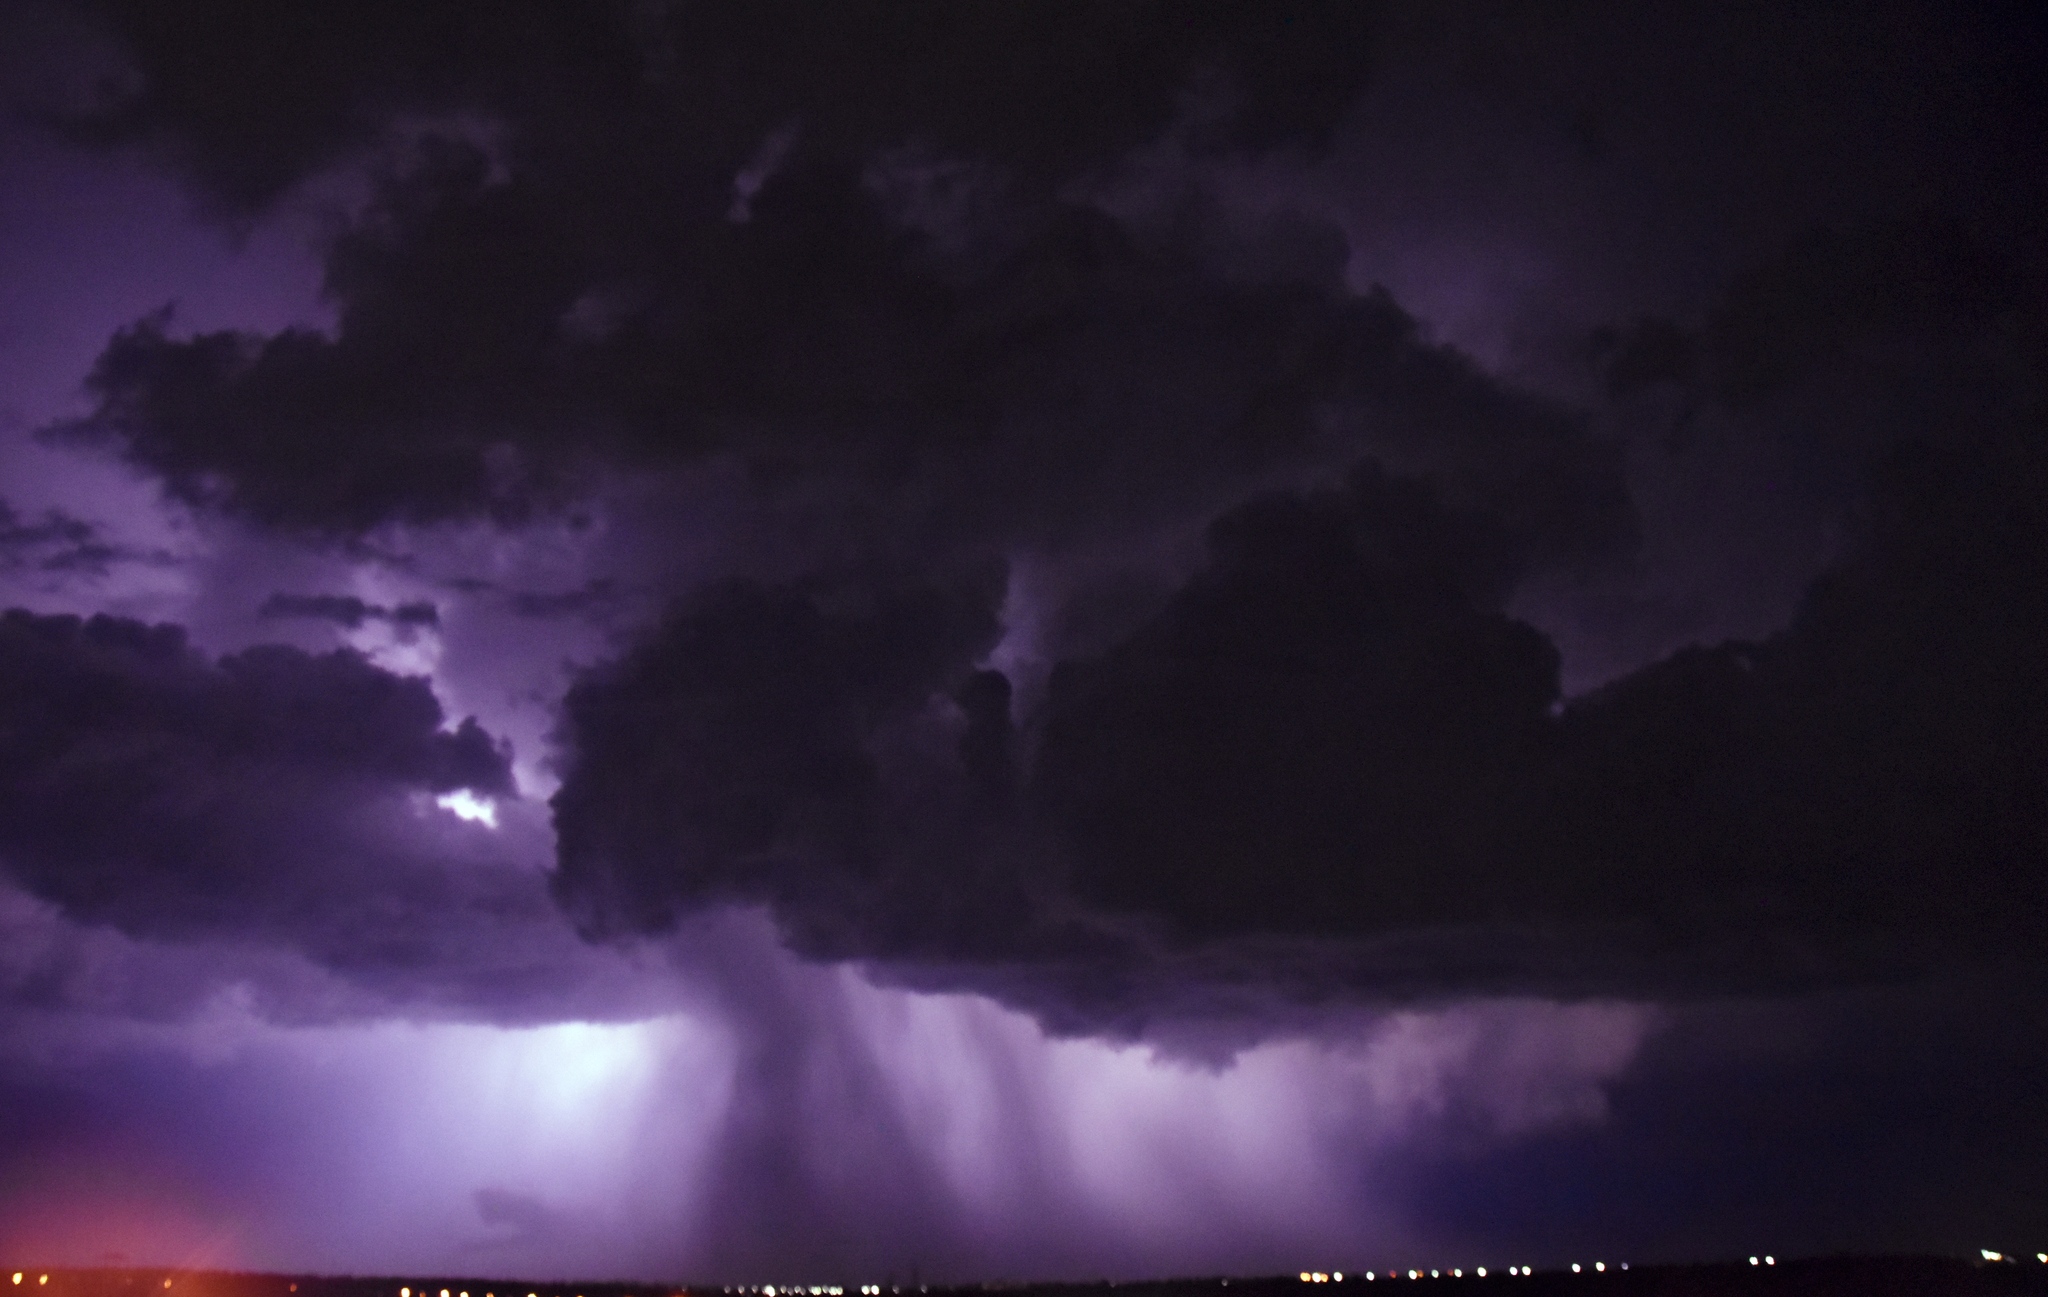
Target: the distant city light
(1752, 1260)
(1601, 1266)
(1575, 1267)
(1770, 1260)
(17, 1276)
(1989, 1255)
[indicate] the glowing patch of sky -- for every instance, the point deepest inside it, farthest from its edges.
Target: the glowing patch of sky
(468, 806)
(591, 1147)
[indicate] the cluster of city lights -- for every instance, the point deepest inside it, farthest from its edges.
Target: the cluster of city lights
(876, 1290)
(1478, 1272)
(425, 1292)
(763, 1290)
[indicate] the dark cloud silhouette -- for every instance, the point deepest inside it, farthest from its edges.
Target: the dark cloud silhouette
(348, 610)
(1757, 423)
(1044, 90)
(917, 319)
(1083, 379)
(1868, 333)
(59, 543)
(1331, 707)
(795, 748)
(1860, 786)
(1330, 738)
(264, 795)
(1330, 766)
(1317, 741)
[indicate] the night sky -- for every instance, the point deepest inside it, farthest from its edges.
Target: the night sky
(756, 640)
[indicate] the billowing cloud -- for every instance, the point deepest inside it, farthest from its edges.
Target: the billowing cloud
(1331, 734)
(921, 334)
(60, 545)
(271, 798)
(1046, 91)
(1144, 637)
(1242, 709)
(1080, 383)
(768, 746)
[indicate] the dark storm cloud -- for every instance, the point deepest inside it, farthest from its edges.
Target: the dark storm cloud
(347, 610)
(1884, 323)
(59, 543)
(910, 316)
(1327, 758)
(1329, 766)
(1045, 89)
(1330, 704)
(269, 797)
(1083, 379)
(1757, 421)
(795, 748)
